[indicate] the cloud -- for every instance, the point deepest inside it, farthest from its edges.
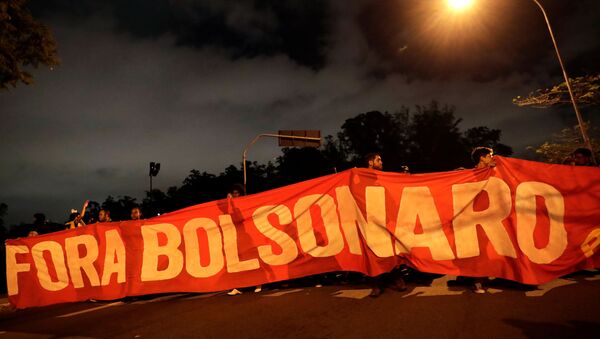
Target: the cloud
(118, 101)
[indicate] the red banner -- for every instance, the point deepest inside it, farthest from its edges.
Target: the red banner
(525, 221)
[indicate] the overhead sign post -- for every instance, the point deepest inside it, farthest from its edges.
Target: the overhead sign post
(287, 138)
(299, 138)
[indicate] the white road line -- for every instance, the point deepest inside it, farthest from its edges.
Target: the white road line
(438, 287)
(543, 289)
(203, 296)
(90, 310)
(279, 294)
(165, 298)
(353, 294)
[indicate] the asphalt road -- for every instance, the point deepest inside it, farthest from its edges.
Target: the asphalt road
(567, 307)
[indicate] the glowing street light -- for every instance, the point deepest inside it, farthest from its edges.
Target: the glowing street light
(459, 5)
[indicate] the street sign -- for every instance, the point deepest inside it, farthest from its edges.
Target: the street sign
(298, 142)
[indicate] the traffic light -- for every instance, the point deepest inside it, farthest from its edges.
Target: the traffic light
(154, 168)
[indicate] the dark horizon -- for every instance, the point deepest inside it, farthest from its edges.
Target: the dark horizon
(189, 84)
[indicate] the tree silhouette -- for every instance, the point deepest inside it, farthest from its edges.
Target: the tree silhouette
(430, 139)
(24, 43)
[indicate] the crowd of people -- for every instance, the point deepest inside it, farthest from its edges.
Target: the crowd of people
(483, 157)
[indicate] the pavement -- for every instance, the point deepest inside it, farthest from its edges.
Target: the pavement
(438, 308)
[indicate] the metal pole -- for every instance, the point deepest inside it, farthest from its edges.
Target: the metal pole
(586, 139)
(245, 153)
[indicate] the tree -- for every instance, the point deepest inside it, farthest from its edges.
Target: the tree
(483, 136)
(564, 143)
(24, 43)
(3, 210)
(299, 164)
(375, 131)
(335, 155)
(586, 90)
(436, 143)
(120, 209)
(427, 141)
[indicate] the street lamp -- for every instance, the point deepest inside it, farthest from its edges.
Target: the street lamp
(154, 169)
(586, 139)
(459, 5)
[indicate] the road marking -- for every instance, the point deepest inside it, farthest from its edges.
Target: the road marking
(438, 287)
(279, 294)
(29, 335)
(203, 296)
(353, 294)
(164, 298)
(90, 310)
(543, 289)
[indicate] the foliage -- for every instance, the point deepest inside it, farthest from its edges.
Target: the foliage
(3, 210)
(120, 209)
(24, 43)
(428, 139)
(563, 143)
(586, 90)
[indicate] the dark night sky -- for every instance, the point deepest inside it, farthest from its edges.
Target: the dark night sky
(189, 83)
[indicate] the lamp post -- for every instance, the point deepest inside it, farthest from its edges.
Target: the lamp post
(462, 4)
(154, 169)
(586, 139)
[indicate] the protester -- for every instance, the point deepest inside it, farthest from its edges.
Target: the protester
(392, 279)
(483, 157)
(136, 213)
(236, 191)
(75, 218)
(104, 215)
(582, 157)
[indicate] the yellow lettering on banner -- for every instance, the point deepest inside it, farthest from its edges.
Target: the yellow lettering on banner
(58, 259)
(192, 248)
(86, 263)
(525, 205)
(466, 218)
(13, 267)
(417, 202)
(231, 249)
(152, 251)
(306, 232)
(289, 251)
(373, 230)
(115, 249)
(591, 242)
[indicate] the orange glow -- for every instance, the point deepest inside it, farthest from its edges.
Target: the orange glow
(459, 5)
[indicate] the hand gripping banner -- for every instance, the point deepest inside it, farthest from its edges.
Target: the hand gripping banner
(525, 221)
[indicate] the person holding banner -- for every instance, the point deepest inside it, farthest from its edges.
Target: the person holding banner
(136, 213)
(484, 158)
(76, 219)
(104, 215)
(237, 191)
(391, 279)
